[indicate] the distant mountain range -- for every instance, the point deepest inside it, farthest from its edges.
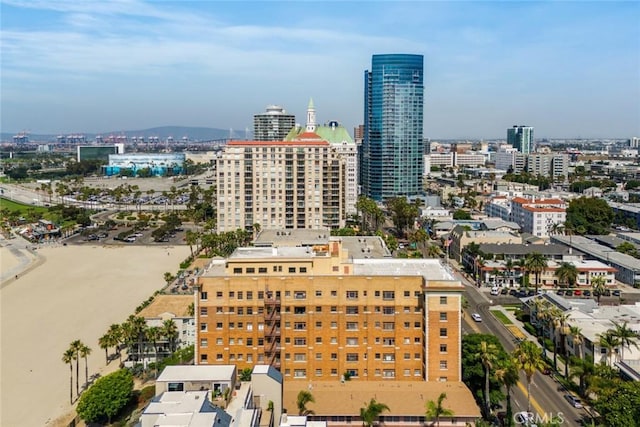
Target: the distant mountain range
(162, 132)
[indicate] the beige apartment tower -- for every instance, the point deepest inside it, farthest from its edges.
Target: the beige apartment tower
(319, 313)
(293, 184)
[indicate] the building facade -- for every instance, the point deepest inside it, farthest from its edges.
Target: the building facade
(340, 140)
(273, 125)
(281, 184)
(538, 217)
(521, 138)
(393, 145)
(318, 313)
(158, 164)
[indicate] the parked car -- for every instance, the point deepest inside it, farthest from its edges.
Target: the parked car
(573, 400)
(504, 291)
(616, 292)
(476, 317)
(586, 293)
(495, 291)
(560, 292)
(513, 292)
(607, 293)
(577, 292)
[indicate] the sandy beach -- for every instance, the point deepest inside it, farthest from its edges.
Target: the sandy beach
(76, 293)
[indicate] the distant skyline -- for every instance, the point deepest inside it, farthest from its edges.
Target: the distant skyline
(569, 69)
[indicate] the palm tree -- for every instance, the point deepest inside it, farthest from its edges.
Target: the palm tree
(370, 413)
(522, 266)
(567, 273)
(115, 338)
(598, 284)
(435, 410)
(104, 342)
(536, 263)
(170, 331)
(584, 370)
(191, 237)
(577, 340)
(528, 357)
(488, 356)
(508, 265)
(507, 374)
(609, 342)
(304, 397)
(75, 346)
(154, 333)
(626, 337)
(84, 351)
(67, 357)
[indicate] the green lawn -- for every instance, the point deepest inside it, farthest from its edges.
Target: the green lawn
(501, 317)
(14, 206)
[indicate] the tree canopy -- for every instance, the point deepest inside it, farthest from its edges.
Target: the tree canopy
(106, 397)
(619, 404)
(589, 214)
(473, 370)
(461, 214)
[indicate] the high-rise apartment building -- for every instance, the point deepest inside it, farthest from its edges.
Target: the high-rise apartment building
(280, 184)
(521, 138)
(327, 308)
(340, 140)
(273, 125)
(393, 145)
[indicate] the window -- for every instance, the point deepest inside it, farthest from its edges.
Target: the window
(299, 310)
(261, 295)
(443, 316)
(334, 372)
(232, 294)
(262, 270)
(251, 270)
(240, 295)
(388, 295)
(300, 357)
(416, 325)
(334, 293)
(299, 294)
(352, 294)
(318, 309)
(204, 343)
(334, 309)
(318, 324)
(237, 270)
(299, 341)
(407, 356)
(203, 358)
(352, 357)
(388, 357)
(351, 309)
(318, 340)
(292, 269)
(203, 311)
(416, 356)
(352, 326)
(377, 293)
(388, 326)
(443, 364)
(443, 300)
(407, 294)
(249, 295)
(204, 327)
(334, 325)
(352, 341)
(407, 325)
(389, 373)
(203, 296)
(219, 310)
(299, 373)
(334, 356)
(175, 387)
(300, 326)
(443, 348)
(249, 342)
(318, 356)
(407, 372)
(318, 293)
(388, 310)
(443, 332)
(218, 294)
(303, 269)
(388, 341)
(240, 311)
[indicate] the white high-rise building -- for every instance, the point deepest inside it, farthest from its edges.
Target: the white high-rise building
(273, 125)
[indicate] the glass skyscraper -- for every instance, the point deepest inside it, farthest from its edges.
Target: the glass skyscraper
(521, 138)
(392, 160)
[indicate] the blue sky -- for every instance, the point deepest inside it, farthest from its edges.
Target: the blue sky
(570, 69)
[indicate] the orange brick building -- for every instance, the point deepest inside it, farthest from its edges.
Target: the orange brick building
(318, 313)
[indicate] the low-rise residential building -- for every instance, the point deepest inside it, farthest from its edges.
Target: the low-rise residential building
(627, 267)
(628, 210)
(538, 216)
(175, 308)
(461, 236)
(338, 403)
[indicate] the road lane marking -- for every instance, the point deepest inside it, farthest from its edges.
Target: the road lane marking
(534, 403)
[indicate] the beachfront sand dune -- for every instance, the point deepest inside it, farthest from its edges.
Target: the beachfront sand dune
(76, 294)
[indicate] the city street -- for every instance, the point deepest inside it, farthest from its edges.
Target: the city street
(547, 395)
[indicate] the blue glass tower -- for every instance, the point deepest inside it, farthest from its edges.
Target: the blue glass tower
(392, 149)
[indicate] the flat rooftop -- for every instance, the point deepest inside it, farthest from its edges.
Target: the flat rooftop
(178, 305)
(197, 373)
(404, 398)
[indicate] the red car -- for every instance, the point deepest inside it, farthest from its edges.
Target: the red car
(577, 292)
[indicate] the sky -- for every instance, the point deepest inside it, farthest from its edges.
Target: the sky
(570, 69)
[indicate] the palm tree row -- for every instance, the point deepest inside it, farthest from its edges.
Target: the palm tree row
(77, 350)
(372, 410)
(134, 334)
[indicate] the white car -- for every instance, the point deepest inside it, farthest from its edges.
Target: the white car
(476, 317)
(574, 401)
(495, 291)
